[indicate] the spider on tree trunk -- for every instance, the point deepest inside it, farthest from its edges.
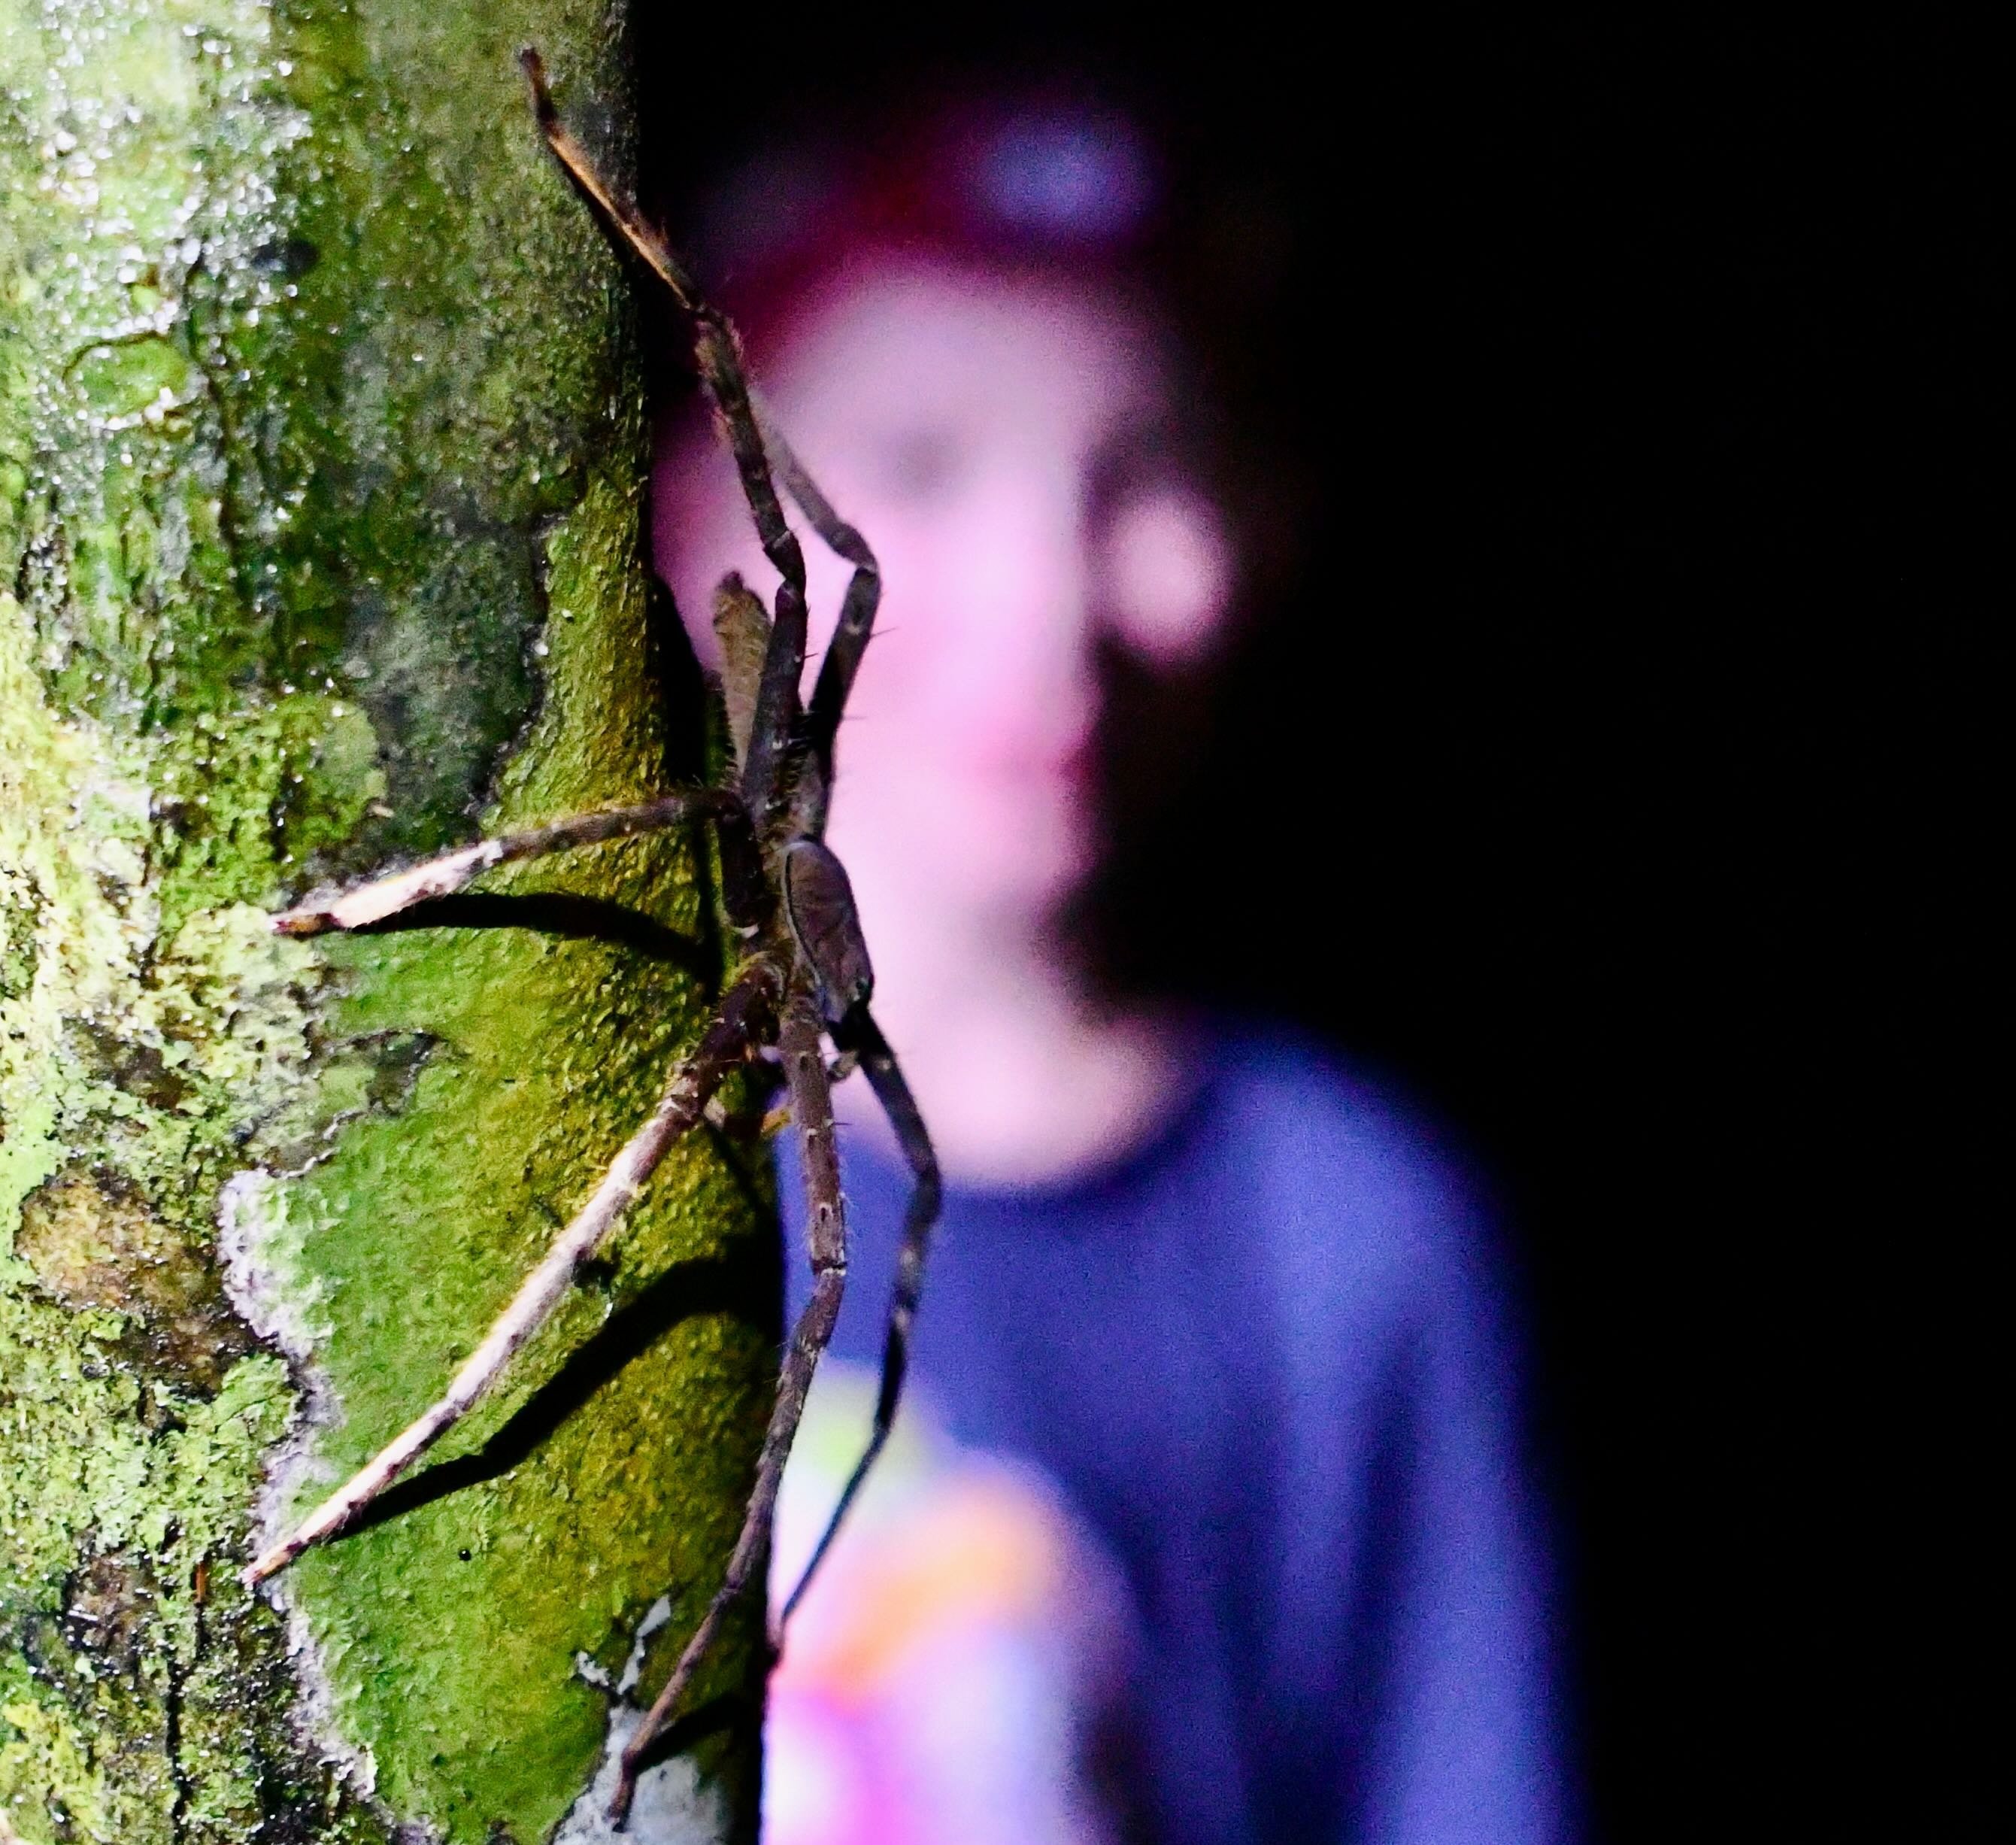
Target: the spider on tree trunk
(804, 973)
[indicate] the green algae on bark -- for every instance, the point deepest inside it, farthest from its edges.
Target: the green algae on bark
(321, 478)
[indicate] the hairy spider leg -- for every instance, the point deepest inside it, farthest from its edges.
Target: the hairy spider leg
(742, 626)
(752, 435)
(373, 901)
(772, 732)
(857, 608)
(774, 736)
(860, 1037)
(737, 1023)
(812, 1103)
(719, 355)
(759, 448)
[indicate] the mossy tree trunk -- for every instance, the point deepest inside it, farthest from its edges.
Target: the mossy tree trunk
(322, 465)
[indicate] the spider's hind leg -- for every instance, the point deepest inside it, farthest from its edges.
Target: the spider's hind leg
(864, 1039)
(811, 1105)
(736, 1024)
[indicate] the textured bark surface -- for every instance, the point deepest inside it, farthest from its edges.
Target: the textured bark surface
(321, 471)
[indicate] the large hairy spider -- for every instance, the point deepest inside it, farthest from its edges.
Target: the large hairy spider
(804, 972)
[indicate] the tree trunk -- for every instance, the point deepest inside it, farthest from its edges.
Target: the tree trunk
(321, 461)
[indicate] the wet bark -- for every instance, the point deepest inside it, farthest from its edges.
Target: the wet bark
(322, 465)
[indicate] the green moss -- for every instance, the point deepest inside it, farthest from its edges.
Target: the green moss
(126, 378)
(546, 1051)
(320, 487)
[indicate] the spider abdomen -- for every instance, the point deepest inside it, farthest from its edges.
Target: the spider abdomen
(819, 901)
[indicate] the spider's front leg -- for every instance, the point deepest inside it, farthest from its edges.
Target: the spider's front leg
(812, 1106)
(759, 448)
(364, 904)
(857, 615)
(718, 356)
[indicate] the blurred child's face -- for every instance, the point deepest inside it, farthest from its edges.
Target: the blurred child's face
(1003, 444)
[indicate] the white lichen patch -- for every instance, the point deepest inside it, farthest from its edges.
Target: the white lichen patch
(277, 1296)
(241, 365)
(143, 1037)
(671, 1803)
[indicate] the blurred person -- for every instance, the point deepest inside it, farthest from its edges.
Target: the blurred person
(1207, 1520)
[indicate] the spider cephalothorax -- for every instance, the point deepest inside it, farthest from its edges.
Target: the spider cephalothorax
(804, 975)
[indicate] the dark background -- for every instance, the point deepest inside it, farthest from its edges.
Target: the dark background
(1598, 767)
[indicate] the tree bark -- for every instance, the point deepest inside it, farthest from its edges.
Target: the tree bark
(321, 464)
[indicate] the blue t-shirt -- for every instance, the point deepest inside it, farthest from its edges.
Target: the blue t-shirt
(1266, 1359)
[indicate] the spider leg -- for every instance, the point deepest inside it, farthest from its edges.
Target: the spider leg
(885, 1076)
(857, 607)
(812, 1102)
(742, 625)
(776, 714)
(442, 876)
(735, 1025)
(718, 354)
(571, 155)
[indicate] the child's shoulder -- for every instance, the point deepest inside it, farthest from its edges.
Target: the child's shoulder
(1352, 1182)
